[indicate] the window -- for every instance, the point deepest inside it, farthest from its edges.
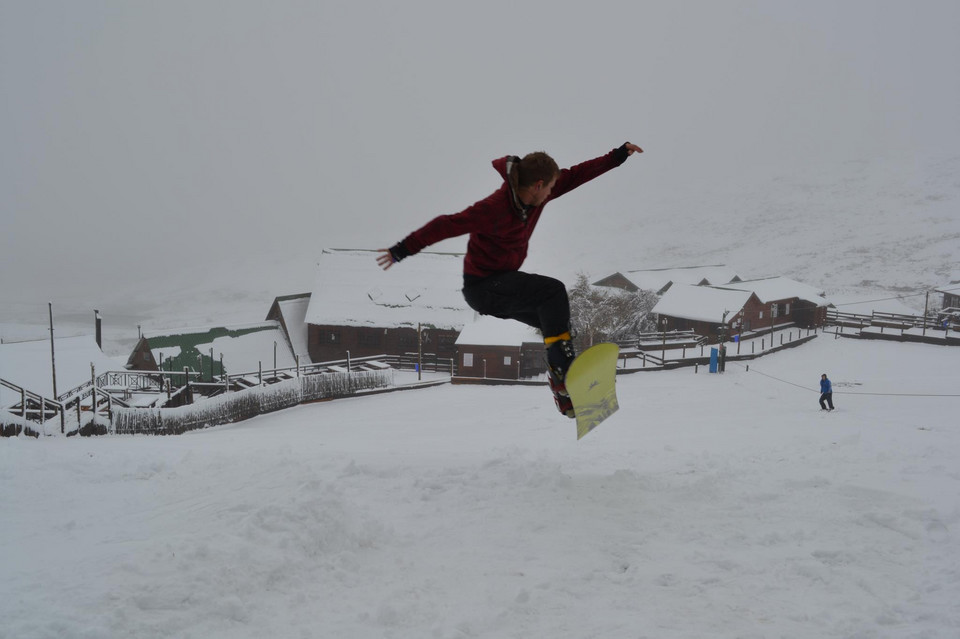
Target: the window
(786, 310)
(331, 337)
(506, 360)
(760, 316)
(467, 360)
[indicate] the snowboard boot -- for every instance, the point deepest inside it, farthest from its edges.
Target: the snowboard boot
(560, 355)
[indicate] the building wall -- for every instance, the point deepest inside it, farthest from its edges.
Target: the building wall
(498, 362)
(755, 316)
(327, 343)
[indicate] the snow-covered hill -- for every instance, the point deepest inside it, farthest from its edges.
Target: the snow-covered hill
(709, 506)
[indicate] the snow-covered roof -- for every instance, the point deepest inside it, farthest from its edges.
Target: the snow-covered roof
(493, 331)
(701, 303)
(27, 364)
(772, 289)
(656, 279)
(352, 290)
(953, 288)
(293, 309)
(244, 346)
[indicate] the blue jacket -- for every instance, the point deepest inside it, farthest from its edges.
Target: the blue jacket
(825, 386)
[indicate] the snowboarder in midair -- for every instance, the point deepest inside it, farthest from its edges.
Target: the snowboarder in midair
(500, 227)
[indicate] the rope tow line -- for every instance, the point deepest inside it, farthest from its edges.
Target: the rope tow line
(783, 381)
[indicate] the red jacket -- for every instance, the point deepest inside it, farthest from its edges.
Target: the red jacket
(499, 230)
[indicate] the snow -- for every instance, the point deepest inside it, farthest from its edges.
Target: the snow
(352, 290)
(491, 331)
(251, 347)
(772, 289)
(657, 279)
(701, 303)
(250, 352)
(294, 312)
(28, 365)
(709, 506)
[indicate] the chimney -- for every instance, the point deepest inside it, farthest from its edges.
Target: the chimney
(98, 322)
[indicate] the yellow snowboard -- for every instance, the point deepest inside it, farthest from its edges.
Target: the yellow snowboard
(592, 384)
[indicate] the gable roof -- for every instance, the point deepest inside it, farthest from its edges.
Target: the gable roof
(245, 347)
(772, 289)
(27, 364)
(701, 303)
(352, 290)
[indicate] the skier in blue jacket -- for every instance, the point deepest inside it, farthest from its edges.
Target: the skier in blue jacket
(826, 393)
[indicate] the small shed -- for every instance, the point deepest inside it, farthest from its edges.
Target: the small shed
(493, 348)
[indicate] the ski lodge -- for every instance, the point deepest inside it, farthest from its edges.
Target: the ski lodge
(357, 309)
(745, 306)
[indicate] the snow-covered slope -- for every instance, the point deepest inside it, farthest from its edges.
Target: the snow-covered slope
(709, 506)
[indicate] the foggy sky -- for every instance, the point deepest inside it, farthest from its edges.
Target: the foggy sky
(139, 136)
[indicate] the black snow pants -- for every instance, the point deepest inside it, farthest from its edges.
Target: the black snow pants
(535, 300)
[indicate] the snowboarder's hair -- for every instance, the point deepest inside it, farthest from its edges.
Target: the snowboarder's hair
(532, 168)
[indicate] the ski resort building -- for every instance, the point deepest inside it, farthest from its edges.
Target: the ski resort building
(492, 348)
(357, 309)
(748, 306)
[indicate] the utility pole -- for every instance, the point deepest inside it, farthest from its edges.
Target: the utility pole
(53, 358)
(926, 306)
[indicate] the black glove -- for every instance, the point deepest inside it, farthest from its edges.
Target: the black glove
(398, 251)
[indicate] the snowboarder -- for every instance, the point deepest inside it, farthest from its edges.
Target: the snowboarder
(826, 393)
(500, 227)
